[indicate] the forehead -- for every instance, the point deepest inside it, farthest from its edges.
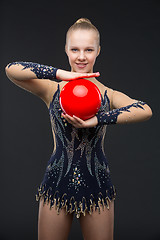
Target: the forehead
(82, 37)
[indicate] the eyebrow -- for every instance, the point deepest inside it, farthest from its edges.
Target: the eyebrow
(85, 47)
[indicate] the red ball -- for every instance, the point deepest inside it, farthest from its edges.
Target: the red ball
(81, 98)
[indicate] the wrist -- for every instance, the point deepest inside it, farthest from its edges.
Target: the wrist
(58, 71)
(107, 117)
(41, 71)
(96, 120)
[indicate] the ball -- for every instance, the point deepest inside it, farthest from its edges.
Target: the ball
(81, 98)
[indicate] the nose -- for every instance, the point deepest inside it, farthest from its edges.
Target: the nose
(81, 56)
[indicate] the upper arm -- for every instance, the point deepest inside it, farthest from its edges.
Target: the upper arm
(119, 99)
(42, 88)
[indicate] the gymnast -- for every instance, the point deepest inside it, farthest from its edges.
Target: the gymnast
(77, 177)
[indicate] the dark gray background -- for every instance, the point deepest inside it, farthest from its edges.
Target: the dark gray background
(129, 62)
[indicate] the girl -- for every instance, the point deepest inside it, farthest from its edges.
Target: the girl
(77, 177)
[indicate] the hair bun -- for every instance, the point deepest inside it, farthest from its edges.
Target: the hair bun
(82, 20)
(83, 24)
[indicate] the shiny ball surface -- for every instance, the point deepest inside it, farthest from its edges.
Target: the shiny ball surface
(81, 98)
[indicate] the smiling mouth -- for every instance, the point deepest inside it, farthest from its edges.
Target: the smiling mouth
(81, 65)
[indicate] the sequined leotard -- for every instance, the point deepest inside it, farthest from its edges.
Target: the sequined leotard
(77, 175)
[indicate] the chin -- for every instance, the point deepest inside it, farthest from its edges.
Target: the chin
(82, 70)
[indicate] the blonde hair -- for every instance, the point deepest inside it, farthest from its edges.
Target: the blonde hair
(84, 24)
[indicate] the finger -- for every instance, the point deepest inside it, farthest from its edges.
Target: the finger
(69, 116)
(88, 75)
(75, 121)
(79, 120)
(71, 119)
(66, 117)
(97, 74)
(85, 75)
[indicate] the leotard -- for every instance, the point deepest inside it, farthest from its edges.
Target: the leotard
(77, 175)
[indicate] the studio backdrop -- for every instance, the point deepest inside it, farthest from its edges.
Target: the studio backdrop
(129, 62)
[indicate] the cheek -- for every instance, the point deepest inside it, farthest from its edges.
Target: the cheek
(70, 58)
(92, 58)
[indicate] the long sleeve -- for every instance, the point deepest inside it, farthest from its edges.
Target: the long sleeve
(135, 112)
(40, 71)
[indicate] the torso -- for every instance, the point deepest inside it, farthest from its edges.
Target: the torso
(53, 89)
(78, 170)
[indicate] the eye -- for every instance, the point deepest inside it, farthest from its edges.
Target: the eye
(74, 49)
(90, 50)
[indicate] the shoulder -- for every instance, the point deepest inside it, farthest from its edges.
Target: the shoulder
(117, 98)
(109, 91)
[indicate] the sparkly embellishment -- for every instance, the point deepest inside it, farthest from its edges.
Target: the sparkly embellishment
(101, 170)
(41, 71)
(71, 204)
(111, 116)
(56, 168)
(79, 181)
(86, 144)
(74, 166)
(70, 148)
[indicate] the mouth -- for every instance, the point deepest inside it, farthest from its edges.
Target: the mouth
(81, 65)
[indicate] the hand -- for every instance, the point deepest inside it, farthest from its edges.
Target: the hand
(79, 123)
(69, 76)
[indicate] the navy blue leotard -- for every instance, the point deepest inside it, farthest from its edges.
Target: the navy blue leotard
(77, 175)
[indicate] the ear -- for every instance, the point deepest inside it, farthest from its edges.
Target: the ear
(99, 51)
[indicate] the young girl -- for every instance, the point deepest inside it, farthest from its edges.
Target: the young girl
(77, 177)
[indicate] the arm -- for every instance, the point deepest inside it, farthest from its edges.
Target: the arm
(23, 74)
(38, 79)
(125, 110)
(29, 70)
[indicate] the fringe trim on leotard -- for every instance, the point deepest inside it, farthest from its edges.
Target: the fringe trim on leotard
(71, 205)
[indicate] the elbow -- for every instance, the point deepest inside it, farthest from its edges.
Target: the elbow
(7, 67)
(9, 72)
(149, 113)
